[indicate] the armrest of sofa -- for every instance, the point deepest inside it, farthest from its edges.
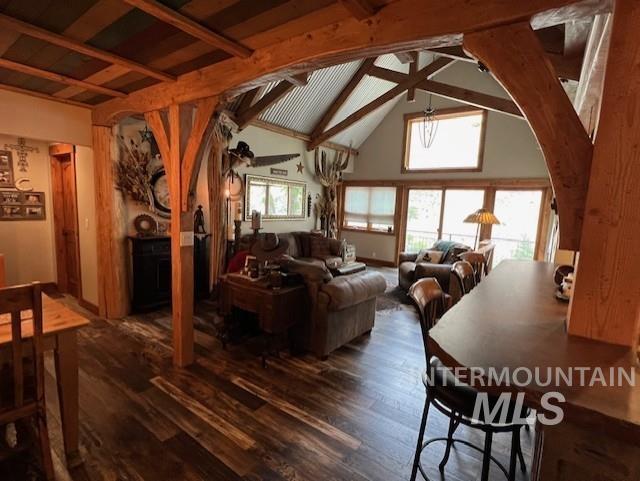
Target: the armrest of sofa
(441, 272)
(346, 291)
(336, 247)
(407, 257)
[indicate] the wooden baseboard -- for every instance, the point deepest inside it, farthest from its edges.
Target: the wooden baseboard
(89, 306)
(376, 262)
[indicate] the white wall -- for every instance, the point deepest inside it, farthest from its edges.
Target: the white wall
(28, 246)
(510, 151)
(49, 122)
(35, 118)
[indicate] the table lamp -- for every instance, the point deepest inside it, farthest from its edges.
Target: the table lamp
(480, 217)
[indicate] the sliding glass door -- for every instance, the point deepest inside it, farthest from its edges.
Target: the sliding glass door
(519, 213)
(458, 204)
(439, 213)
(423, 218)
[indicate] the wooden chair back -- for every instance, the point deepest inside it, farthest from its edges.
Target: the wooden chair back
(429, 300)
(465, 276)
(486, 249)
(477, 261)
(14, 301)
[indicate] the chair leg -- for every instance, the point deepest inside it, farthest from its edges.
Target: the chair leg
(423, 425)
(523, 465)
(45, 447)
(486, 458)
(453, 425)
(513, 460)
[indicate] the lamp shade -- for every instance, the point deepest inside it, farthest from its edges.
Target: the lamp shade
(481, 216)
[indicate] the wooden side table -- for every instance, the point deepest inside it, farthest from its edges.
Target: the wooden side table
(278, 310)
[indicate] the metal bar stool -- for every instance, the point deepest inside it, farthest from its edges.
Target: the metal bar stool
(453, 400)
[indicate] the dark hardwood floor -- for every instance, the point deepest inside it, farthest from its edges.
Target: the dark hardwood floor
(352, 417)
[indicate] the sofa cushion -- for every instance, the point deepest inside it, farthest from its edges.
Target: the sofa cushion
(429, 255)
(347, 291)
(319, 247)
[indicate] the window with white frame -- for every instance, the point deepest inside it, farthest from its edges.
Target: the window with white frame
(370, 208)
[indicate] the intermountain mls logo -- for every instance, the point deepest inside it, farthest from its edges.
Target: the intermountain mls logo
(510, 408)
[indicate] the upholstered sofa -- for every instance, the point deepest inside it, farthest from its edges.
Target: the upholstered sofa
(306, 247)
(410, 270)
(342, 308)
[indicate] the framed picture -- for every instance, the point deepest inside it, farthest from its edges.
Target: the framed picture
(10, 197)
(6, 169)
(33, 212)
(16, 205)
(33, 198)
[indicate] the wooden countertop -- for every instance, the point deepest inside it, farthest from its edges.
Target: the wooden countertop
(512, 319)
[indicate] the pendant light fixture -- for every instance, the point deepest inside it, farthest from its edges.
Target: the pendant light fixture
(428, 126)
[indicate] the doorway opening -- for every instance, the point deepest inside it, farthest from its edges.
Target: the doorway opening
(65, 218)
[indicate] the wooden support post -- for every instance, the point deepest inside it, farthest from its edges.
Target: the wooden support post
(606, 300)
(517, 60)
(181, 141)
(112, 284)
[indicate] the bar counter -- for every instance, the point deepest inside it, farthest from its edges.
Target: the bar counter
(512, 319)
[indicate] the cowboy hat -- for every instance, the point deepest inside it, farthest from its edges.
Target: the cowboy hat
(269, 246)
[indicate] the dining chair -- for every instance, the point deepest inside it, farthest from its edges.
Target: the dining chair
(477, 261)
(453, 399)
(465, 276)
(24, 395)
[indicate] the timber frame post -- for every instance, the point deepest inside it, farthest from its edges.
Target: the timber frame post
(181, 137)
(112, 273)
(606, 301)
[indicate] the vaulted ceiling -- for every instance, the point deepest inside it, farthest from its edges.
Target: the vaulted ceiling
(86, 52)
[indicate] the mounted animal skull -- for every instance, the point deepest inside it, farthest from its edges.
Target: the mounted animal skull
(330, 174)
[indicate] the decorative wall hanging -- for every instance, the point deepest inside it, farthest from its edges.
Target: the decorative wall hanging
(6, 169)
(300, 167)
(329, 174)
(282, 172)
(147, 136)
(20, 184)
(160, 193)
(136, 177)
(16, 205)
(23, 150)
(145, 225)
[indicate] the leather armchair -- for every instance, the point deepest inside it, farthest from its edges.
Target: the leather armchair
(342, 308)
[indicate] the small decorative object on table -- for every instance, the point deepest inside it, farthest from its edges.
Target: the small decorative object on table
(256, 221)
(198, 221)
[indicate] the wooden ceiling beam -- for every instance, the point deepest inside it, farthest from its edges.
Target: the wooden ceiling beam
(267, 100)
(71, 44)
(247, 99)
(516, 59)
(413, 68)
(459, 94)
(567, 67)
(193, 28)
(398, 26)
(56, 77)
(360, 9)
(41, 95)
(343, 96)
(411, 80)
(405, 57)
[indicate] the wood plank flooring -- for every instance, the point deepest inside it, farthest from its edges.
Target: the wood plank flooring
(352, 417)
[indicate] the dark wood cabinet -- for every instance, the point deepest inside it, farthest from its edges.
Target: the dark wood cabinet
(151, 271)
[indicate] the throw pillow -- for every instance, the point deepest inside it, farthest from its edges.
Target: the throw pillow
(319, 247)
(429, 255)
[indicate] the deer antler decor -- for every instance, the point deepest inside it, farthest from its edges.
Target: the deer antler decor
(329, 174)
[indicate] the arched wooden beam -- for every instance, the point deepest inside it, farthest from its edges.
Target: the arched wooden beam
(399, 26)
(516, 59)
